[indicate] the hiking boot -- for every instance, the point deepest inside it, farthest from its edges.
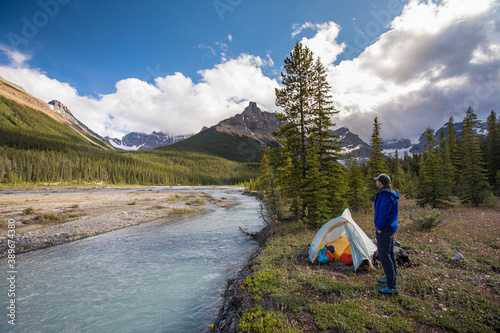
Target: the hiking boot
(388, 291)
(383, 281)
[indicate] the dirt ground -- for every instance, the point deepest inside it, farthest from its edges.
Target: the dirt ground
(50, 216)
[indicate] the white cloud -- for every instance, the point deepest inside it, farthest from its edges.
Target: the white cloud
(174, 104)
(436, 59)
(324, 43)
(17, 59)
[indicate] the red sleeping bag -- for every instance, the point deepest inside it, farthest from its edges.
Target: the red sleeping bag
(346, 259)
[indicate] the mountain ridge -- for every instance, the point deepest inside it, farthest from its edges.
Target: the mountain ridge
(57, 111)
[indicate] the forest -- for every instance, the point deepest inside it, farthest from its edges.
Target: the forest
(37, 150)
(302, 179)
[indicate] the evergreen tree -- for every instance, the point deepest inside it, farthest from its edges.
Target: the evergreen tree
(492, 150)
(322, 112)
(324, 144)
(357, 193)
(266, 184)
(444, 155)
(295, 99)
(316, 187)
(308, 173)
(397, 173)
(473, 178)
(377, 163)
(454, 154)
(433, 187)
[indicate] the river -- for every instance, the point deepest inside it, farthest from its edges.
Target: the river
(162, 276)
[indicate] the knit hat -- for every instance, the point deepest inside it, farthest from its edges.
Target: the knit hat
(383, 178)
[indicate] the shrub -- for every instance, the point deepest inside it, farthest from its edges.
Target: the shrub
(426, 218)
(255, 320)
(196, 202)
(51, 218)
(491, 201)
(28, 211)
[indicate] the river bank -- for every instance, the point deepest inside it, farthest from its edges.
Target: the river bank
(48, 216)
(280, 291)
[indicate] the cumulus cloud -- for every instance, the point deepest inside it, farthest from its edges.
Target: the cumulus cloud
(174, 104)
(436, 59)
(324, 43)
(16, 58)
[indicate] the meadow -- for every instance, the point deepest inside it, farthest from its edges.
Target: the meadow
(284, 293)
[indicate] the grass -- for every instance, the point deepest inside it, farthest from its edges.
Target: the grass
(436, 293)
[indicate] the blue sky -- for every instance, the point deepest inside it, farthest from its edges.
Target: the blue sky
(175, 66)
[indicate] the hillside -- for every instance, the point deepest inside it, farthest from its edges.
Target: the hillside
(56, 111)
(23, 127)
(35, 148)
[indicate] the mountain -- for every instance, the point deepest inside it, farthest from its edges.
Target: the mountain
(140, 141)
(66, 113)
(352, 143)
(241, 138)
(252, 122)
(15, 96)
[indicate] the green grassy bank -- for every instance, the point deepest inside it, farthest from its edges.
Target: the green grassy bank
(285, 294)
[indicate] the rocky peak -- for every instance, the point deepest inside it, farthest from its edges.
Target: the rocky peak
(60, 107)
(252, 122)
(64, 111)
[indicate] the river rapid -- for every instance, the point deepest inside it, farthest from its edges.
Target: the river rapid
(162, 276)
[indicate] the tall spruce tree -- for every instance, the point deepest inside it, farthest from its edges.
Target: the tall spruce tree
(357, 193)
(377, 163)
(492, 150)
(433, 187)
(308, 173)
(295, 100)
(315, 194)
(454, 153)
(473, 176)
(267, 185)
(397, 173)
(325, 144)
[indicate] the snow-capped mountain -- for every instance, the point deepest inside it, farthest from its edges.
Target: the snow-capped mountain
(140, 141)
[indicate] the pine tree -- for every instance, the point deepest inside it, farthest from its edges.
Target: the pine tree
(433, 187)
(492, 150)
(316, 187)
(295, 99)
(397, 173)
(266, 184)
(473, 178)
(357, 193)
(324, 144)
(444, 155)
(377, 163)
(454, 154)
(322, 112)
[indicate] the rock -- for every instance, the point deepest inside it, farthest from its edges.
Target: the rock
(458, 256)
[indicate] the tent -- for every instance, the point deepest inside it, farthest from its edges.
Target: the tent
(345, 235)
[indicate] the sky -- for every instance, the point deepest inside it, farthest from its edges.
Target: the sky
(176, 66)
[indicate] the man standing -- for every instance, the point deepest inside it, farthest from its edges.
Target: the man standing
(386, 224)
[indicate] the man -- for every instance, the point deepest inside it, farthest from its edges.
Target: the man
(386, 224)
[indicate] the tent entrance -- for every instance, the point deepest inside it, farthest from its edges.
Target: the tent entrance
(341, 246)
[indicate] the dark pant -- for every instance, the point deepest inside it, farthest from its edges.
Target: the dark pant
(385, 248)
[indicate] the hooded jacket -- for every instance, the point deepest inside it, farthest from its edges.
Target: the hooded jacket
(386, 210)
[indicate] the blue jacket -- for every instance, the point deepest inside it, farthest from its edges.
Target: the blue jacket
(386, 210)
